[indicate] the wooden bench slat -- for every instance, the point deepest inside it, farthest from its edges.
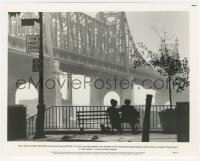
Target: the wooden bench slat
(103, 118)
(91, 115)
(90, 111)
(93, 122)
(87, 118)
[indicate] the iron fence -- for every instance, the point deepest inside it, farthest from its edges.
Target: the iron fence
(64, 118)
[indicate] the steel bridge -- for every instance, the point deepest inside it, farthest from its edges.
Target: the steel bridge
(104, 42)
(77, 43)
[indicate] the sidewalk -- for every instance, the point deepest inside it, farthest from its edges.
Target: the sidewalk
(154, 137)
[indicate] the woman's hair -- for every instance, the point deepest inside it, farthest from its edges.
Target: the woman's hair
(113, 102)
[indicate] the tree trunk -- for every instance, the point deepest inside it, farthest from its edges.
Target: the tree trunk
(170, 92)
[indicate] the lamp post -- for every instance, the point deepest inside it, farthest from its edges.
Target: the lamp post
(41, 106)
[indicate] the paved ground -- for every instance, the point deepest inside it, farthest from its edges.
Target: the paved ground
(128, 137)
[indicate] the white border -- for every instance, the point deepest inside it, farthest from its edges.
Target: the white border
(76, 7)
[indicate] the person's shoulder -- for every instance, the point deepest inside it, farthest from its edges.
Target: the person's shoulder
(132, 108)
(109, 108)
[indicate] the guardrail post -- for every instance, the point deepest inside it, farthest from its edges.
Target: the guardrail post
(146, 124)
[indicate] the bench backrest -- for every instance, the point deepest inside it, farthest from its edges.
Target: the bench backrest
(92, 116)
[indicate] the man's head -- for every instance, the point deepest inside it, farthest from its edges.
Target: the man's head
(127, 102)
(113, 102)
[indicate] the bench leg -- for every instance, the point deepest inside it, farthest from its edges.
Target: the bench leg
(122, 127)
(81, 129)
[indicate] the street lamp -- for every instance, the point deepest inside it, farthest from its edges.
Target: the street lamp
(41, 106)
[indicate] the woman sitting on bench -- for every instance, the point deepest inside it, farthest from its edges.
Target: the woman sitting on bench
(114, 116)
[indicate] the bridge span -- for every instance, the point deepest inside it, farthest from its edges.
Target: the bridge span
(76, 43)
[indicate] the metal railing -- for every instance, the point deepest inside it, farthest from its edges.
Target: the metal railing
(63, 118)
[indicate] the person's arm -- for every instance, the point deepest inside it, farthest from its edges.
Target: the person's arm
(107, 110)
(120, 109)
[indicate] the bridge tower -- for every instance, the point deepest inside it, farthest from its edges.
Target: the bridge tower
(122, 42)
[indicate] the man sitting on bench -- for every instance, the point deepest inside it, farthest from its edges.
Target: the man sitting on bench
(114, 116)
(129, 114)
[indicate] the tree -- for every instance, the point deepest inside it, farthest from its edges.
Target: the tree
(168, 63)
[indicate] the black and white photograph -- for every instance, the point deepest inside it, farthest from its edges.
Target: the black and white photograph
(104, 76)
(100, 77)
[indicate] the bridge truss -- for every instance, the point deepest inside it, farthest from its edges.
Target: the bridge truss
(106, 37)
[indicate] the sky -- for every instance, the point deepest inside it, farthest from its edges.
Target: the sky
(178, 22)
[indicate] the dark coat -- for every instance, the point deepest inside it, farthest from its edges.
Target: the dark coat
(114, 116)
(129, 114)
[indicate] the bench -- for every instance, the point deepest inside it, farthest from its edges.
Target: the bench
(87, 119)
(92, 119)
